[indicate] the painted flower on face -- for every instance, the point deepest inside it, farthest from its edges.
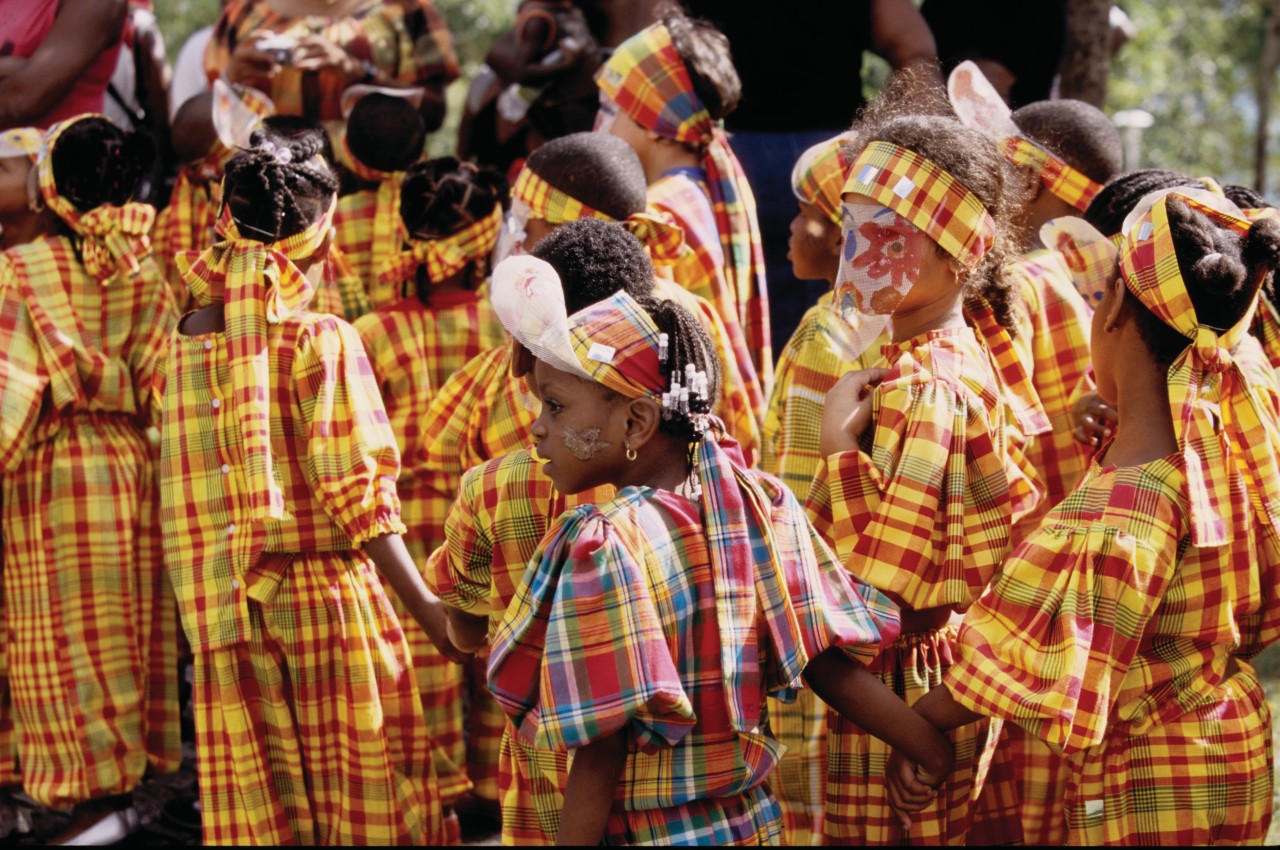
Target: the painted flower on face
(891, 250)
(881, 259)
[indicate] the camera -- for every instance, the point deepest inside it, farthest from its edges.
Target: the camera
(279, 47)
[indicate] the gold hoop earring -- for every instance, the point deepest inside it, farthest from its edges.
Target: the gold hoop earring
(631, 453)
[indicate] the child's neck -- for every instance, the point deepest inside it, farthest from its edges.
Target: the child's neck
(662, 156)
(934, 316)
(1145, 430)
(660, 464)
(23, 228)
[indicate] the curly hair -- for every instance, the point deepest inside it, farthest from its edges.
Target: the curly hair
(280, 185)
(595, 259)
(95, 163)
(385, 133)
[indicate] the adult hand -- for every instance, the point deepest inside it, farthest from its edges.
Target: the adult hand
(317, 53)
(847, 411)
(248, 63)
(1095, 420)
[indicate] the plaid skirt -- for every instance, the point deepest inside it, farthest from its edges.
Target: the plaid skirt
(311, 731)
(91, 622)
(531, 786)
(1203, 778)
(1042, 786)
(799, 779)
(857, 801)
(747, 820)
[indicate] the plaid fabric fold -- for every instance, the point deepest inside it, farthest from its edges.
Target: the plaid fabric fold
(1020, 393)
(820, 174)
(655, 229)
(388, 230)
(259, 284)
(1248, 439)
(443, 256)
(115, 237)
(927, 196)
(1065, 182)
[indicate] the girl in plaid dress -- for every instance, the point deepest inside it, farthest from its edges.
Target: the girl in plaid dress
(92, 639)
(1120, 631)
(648, 629)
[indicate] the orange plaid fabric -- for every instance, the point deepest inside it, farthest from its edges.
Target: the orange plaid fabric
(925, 195)
(820, 174)
(648, 80)
(309, 731)
(93, 646)
(659, 234)
(1065, 182)
(444, 256)
(1042, 787)
(1149, 266)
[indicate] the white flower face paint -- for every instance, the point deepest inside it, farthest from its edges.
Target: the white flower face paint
(880, 261)
(512, 235)
(584, 444)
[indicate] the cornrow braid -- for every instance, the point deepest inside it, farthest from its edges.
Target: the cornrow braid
(1118, 198)
(279, 186)
(687, 345)
(95, 163)
(441, 196)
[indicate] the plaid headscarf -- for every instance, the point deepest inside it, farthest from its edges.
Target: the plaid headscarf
(1149, 267)
(1090, 256)
(115, 238)
(820, 174)
(258, 284)
(388, 229)
(444, 256)
(617, 344)
(1061, 179)
(648, 80)
(661, 236)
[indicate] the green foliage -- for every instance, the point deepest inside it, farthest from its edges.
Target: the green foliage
(178, 19)
(474, 24)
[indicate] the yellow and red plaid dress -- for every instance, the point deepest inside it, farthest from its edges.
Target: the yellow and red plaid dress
(353, 224)
(1115, 641)
(413, 349)
(187, 223)
(92, 633)
(924, 512)
(503, 510)
(308, 720)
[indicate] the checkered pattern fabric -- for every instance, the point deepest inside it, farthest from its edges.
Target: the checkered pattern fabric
(925, 195)
(616, 342)
(819, 177)
(353, 224)
(1089, 257)
(659, 234)
(1065, 182)
(1247, 437)
(309, 731)
(1042, 777)
(186, 223)
(648, 80)
(407, 40)
(92, 648)
(21, 141)
(351, 289)
(443, 256)
(1014, 373)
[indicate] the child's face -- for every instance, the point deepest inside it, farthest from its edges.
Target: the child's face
(580, 431)
(887, 266)
(814, 247)
(610, 119)
(13, 184)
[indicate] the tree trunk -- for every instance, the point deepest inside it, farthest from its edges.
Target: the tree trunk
(1266, 82)
(1086, 60)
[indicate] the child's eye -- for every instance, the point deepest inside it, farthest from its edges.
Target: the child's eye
(553, 405)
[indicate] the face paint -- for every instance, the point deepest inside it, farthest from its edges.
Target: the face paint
(880, 261)
(512, 235)
(584, 444)
(606, 115)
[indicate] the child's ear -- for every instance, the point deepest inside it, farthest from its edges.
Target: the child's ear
(642, 418)
(1114, 312)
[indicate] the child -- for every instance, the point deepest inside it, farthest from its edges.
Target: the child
(451, 213)
(1119, 631)
(648, 630)
(920, 489)
(665, 91)
(278, 473)
(384, 135)
(92, 642)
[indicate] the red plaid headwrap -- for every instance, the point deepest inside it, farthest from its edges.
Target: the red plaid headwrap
(1061, 179)
(115, 238)
(648, 80)
(820, 174)
(1149, 267)
(659, 234)
(258, 284)
(444, 256)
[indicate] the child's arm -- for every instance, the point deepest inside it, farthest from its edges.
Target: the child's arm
(467, 632)
(588, 796)
(907, 793)
(389, 554)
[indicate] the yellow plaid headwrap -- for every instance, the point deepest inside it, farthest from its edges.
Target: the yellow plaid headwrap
(388, 229)
(659, 234)
(820, 174)
(1061, 179)
(444, 256)
(1149, 267)
(258, 284)
(115, 238)
(927, 196)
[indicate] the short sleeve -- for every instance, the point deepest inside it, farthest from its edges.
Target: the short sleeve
(581, 652)
(22, 377)
(352, 459)
(460, 571)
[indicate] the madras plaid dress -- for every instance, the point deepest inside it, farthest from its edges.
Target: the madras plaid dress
(503, 510)
(924, 512)
(690, 777)
(353, 224)
(92, 638)
(308, 719)
(1110, 637)
(413, 349)
(187, 222)
(809, 366)
(700, 269)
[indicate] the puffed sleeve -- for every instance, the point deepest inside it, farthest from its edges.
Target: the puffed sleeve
(22, 376)
(581, 652)
(926, 515)
(352, 459)
(460, 571)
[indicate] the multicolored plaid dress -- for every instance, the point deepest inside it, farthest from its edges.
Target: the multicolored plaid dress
(923, 511)
(308, 719)
(413, 349)
(1113, 639)
(690, 776)
(92, 639)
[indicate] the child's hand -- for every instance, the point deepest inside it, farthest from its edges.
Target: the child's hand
(436, 625)
(908, 793)
(847, 411)
(1095, 420)
(248, 64)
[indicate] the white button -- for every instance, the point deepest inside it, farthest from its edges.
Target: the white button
(226, 467)
(231, 529)
(208, 345)
(217, 402)
(235, 582)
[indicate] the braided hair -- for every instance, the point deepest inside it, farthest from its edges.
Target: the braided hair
(1117, 199)
(95, 163)
(688, 345)
(279, 186)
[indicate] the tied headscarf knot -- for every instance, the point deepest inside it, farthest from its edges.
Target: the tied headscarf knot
(1212, 358)
(659, 234)
(444, 256)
